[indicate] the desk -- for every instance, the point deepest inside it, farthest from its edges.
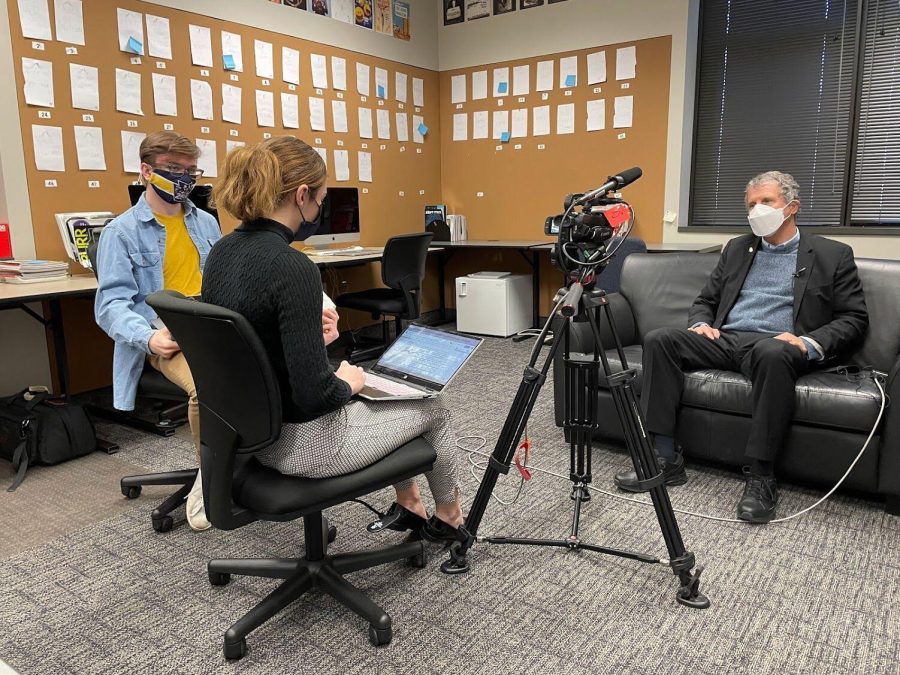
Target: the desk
(15, 296)
(660, 247)
(521, 245)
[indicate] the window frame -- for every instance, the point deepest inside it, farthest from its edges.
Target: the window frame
(845, 228)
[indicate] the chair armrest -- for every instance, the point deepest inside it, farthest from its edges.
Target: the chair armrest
(889, 452)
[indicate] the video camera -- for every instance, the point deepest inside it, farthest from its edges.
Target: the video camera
(583, 234)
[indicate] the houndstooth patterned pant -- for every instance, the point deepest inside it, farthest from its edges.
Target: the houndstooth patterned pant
(363, 432)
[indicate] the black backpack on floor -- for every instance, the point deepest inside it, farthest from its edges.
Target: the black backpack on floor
(36, 428)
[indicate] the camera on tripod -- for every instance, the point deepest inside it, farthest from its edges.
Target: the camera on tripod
(589, 221)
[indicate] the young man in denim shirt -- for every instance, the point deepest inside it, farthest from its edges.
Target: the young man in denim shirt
(161, 242)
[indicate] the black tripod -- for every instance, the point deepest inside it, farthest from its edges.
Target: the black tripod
(582, 380)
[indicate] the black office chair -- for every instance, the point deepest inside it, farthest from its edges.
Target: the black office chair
(240, 413)
(402, 271)
(169, 412)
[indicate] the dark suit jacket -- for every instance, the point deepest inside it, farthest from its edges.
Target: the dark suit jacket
(829, 305)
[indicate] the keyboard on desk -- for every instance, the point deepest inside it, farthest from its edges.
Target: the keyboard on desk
(350, 252)
(389, 386)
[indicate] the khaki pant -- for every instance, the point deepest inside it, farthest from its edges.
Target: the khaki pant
(176, 371)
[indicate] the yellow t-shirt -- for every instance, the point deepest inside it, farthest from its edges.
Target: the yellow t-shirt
(181, 261)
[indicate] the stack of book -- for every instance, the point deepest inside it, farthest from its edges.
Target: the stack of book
(31, 271)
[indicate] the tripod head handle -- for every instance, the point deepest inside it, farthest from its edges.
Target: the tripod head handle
(569, 305)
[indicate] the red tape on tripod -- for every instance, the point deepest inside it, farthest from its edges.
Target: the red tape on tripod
(523, 449)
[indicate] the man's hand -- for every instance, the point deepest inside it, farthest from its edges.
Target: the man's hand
(329, 326)
(706, 331)
(163, 344)
(792, 339)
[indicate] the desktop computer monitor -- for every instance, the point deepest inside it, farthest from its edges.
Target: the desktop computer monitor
(340, 218)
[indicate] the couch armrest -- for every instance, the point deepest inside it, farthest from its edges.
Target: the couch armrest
(889, 452)
(581, 340)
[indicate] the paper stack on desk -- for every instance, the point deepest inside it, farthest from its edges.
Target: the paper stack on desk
(30, 271)
(459, 230)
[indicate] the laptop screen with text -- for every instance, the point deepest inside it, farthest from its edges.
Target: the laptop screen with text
(427, 355)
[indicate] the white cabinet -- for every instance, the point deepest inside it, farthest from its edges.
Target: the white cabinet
(488, 305)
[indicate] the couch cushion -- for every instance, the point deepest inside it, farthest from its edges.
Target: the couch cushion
(661, 287)
(881, 284)
(822, 399)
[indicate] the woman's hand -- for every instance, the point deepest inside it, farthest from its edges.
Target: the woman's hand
(329, 326)
(352, 375)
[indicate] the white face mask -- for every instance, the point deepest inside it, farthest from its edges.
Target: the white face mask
(765, 219)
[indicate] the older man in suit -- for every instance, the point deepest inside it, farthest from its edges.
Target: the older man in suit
(779, 303)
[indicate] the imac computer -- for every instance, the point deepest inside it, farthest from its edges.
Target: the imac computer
(340, 218)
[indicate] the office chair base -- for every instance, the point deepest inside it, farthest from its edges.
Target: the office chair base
(160, 518)
(316, 570)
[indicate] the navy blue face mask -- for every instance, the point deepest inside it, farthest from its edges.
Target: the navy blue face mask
(172, 188)
(308, 228)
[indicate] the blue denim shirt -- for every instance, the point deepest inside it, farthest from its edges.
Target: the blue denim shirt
(129, 268)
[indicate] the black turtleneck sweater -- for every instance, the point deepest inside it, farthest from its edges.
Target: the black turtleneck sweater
(254, 271)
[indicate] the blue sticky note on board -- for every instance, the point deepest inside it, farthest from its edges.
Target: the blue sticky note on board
(570, 80)
(228, 59)
(381, 91)
(423, 129)
(504, 137)
(502, 87)
(135, 46)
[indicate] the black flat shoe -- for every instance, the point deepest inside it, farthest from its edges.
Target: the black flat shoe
(673, 474)
(438, 532)
(397, 518)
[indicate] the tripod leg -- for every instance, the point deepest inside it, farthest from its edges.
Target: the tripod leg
(647, 469)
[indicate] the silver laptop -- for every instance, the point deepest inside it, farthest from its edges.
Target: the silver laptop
(420, 363)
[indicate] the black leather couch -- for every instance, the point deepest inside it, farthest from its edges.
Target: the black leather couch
(833, 415)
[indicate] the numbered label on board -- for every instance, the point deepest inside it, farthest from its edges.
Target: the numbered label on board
(597, 90)
(401, 106)
(621, 136)
(234, 78)
(44, 114)
(318, 91)
(233, 132)
(381, 101)
(383, 147)
(135, 60)
(340, 143)
(421, 192)
(267, 136)
(521, 99)
(365, 191)
(132, 123)
(40, 47)
(541, 146)
(402, 193)
(363, 99)
(479, 194)
(545, 96)
(292, 87)
(87, 118)
(340, 94)
(459, 106)
(204, 130)
(168, 126)
(402, 148)
(50, 182)
(204, 72)
(418, 151)
(71, 51)
(568, 92)
(160, 65)
(626, 85)
(364, 146)
(266, 83)
(318, 141)
(93, 183)
(518, 146)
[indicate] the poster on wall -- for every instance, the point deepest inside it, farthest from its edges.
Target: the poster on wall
(362, 13)
(477, 9)
(528, 4)
(384, 16)
(504, 6)
(342, 10)
(453, 12)
(320, 7)
(299, 4)
(553, 2)
(401, 20)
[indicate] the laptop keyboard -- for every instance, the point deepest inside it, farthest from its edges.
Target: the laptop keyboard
(389, 386)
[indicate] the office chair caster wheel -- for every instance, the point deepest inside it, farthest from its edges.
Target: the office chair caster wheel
(235, 650)
(379, 637)
(419, 562)
(218, 578)
(163, 524)
(131, 491)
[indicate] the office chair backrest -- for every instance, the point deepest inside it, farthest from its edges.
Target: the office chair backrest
(92, 254)
(403, 266)
(231, 369)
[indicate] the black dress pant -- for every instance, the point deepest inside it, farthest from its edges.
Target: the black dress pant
(773, 367)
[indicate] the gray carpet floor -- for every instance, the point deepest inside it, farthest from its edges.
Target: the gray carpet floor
(820, 594)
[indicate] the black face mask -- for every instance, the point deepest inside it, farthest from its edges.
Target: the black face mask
(308, 228)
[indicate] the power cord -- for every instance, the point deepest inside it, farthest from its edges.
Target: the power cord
(876, 376)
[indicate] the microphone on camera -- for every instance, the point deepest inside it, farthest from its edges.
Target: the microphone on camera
(617, 182)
